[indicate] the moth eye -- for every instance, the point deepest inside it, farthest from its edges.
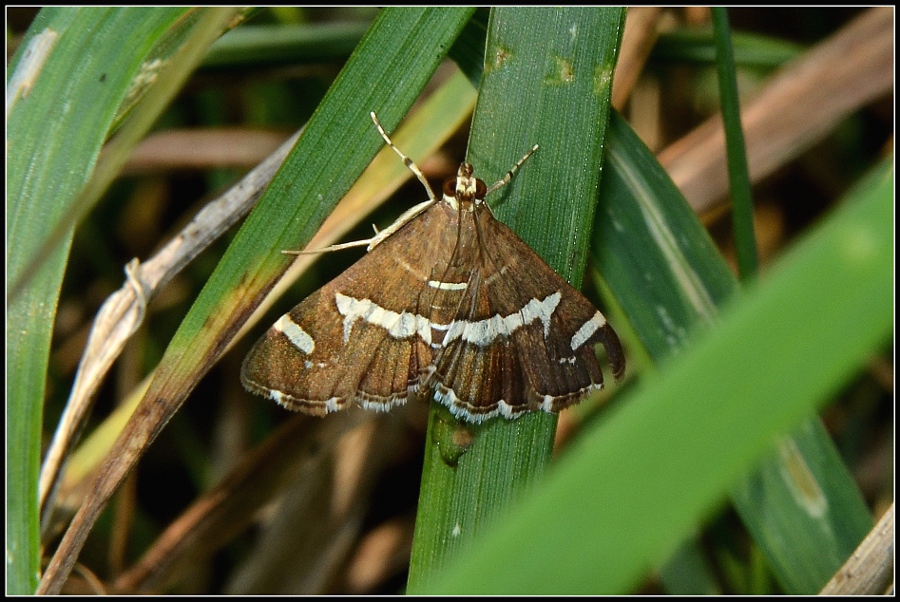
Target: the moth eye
(450, 187)
(480, 189)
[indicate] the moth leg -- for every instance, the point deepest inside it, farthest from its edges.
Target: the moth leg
(406, 160)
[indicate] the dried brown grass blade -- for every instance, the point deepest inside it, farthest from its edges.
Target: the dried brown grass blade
(293, 453)
(870, 569)
(798, 107)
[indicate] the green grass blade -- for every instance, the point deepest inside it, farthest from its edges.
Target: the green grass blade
(698, 46)
(547, 81)
(60, 110)
(253, 45)
(686, 572)
(803, 509)
(685, 283)
(738, 175)
(633, 487)
(80, 68)
(468, 49)
(653, 253)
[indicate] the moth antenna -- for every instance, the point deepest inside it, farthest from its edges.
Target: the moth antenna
(406, 160)
(374, 227)
(505, 180)
(329, 249)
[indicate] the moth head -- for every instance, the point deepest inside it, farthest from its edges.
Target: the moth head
(465, 191)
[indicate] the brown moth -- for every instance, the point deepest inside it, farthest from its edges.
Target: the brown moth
(447, 299)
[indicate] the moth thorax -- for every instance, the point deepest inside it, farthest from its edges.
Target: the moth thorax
(465, 190)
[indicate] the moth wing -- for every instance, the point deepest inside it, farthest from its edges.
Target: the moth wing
(358, 339)
(523, 337)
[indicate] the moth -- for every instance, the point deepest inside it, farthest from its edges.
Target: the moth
(447, 300)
